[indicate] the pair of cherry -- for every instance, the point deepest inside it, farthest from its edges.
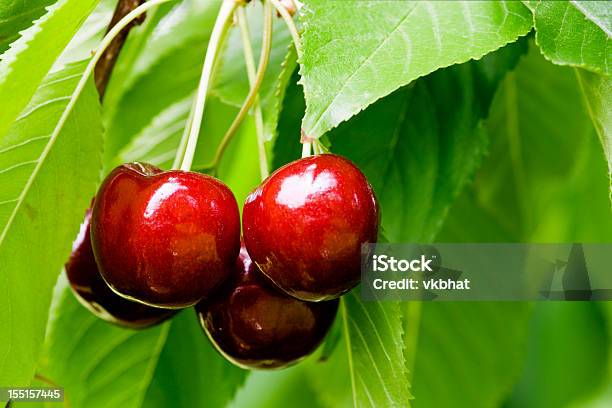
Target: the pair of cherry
(157, 241)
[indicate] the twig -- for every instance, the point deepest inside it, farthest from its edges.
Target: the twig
(105, 65)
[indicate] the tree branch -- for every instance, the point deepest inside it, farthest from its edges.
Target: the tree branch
(104, 67)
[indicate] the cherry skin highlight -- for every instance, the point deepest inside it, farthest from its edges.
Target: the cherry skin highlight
(305, 224)
(164, 238)
(91, 290)
(254, 325)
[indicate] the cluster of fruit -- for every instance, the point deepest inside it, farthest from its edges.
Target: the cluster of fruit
(158, 241)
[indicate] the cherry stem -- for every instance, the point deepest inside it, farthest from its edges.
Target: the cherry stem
(306, 149)
(316, 147)
(180, 151)
(249, 60)
(217, 38)
(253, 92)
(295, 34)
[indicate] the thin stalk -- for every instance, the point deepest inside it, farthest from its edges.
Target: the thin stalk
(264, 58)
(306, 149)
(180, 152)
(249, 60)
(217, 37)
(295, 34)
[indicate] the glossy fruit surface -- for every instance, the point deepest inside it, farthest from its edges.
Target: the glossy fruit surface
(91, 290)
(165, 239)
(305, 224)
(255, 325)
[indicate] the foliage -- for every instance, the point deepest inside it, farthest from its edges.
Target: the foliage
(49, 170)
(575, 33)
(28, 59)
(398, 42)
(16, 15)
(373, 332)
(115, 365)
(474, 122)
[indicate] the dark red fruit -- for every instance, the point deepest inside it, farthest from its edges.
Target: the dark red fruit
(165, 239)
(91, 290)
(255, 325)
(305, 224)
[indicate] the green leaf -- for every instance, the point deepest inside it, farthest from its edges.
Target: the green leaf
(575, 33)
(97, 363)
(545, 179)
(17, 15)
(48, 174)
(597, 92)
(190, 372)
(374, 337)
(557, 331)
(356, 52)
(469, 354)
(418, 150)
(29, 58)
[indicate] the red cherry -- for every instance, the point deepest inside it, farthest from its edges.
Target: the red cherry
(91, 290)
(305, 224)
(165, 239)
(254, 325)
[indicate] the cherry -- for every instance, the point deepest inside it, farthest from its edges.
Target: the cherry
(91, 290)
(255, 325)
(164, 238)
(305, 224)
